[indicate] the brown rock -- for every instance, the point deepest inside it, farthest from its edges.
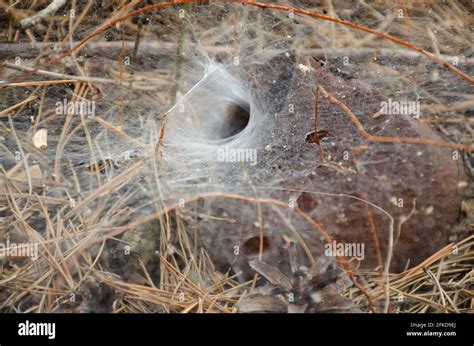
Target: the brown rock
(417, 184)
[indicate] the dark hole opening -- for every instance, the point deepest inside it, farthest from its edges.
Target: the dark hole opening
(236, 120)
(307, 202)
(313, 137)
(252, 245)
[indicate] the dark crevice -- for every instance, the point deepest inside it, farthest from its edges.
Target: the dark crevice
(236, 120)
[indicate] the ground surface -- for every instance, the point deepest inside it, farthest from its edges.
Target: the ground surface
(74, 200)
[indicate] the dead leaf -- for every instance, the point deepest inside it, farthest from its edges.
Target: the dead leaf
(40, 139)
(261, 303)
(272, 274)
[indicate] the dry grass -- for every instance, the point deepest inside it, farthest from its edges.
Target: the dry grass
(74, 271)
(443, 283)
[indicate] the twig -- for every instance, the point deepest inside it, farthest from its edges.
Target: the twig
(59, 75)
(112, 48)
(49, 10)
(39, 83)
(18, 105)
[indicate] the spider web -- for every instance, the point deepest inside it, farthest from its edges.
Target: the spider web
(212, 114)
